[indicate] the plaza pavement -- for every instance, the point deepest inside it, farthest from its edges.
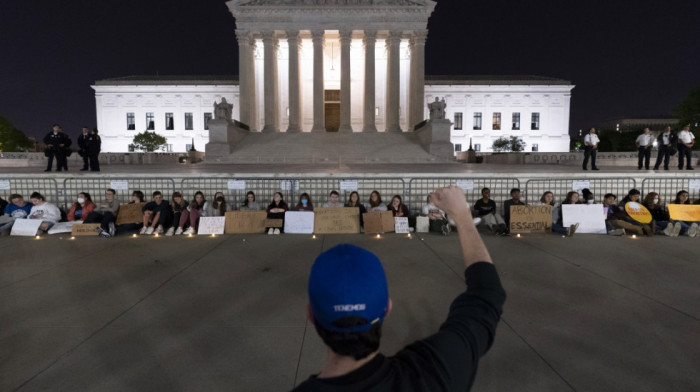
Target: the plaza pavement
(588, 313)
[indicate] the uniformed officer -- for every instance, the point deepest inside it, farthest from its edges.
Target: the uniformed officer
(686, 141)
(83, 145)
(57, 143)
(644, 143)
(665, 141)
(590, 149)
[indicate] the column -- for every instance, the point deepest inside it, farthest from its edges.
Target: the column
(416, 97)
(370, 40)
(243, 38)
(252, 94)
(393, 43)
(294, 84)
(270, 45)
(319, 114)
(345, 96)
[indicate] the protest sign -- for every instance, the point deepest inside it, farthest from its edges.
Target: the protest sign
(236, 185)
(580, 184)
(4, 185)
(531, 219)
(685, 212)
(344, 220)
(348, 186)
(377, 222)
(85, 229)
(211, 225)
(467, 185)
(638, 212)
(25, 227)
(245, 222)
(298, 222)
(119, 185)
(590, 217)
(401, 225)
(63, 227)
(277, 223)
(422, 224)
(130, 213)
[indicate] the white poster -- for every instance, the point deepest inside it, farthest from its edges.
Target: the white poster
(401, 225)
(120, 185)
(579, 185)
(693, 185)
(236, 185)
(26, 227)
(211, 225)
(287, 185)
(467, 185)
(5, 185)
(298, 222)
(590, 217)
(348, 186)
(422, 224)
(63, 227)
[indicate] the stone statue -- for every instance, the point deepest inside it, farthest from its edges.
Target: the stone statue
(222, 111)
(437, 109)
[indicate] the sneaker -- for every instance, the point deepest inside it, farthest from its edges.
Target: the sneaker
(668, 231)
(149, 230)
(693, 230)
(99, 230)
(476, 221)
(189, 231)
(572, 229)
(617, 232)
(104, 234)
(277, 231)
(159, 229)
(178, 231)
(170, 232)
(676, 229)
(568, 231)
(112, 229)
(445, 229)
(144, 230)
(271, 231)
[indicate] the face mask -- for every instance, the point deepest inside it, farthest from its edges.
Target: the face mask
(303, 201)
(656, 201)
(590, 201)
(81, 200)
(220, 199)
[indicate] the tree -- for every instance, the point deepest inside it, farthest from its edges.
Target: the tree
(688, 112)
(147, 141)
(12, 139)
(512, 144)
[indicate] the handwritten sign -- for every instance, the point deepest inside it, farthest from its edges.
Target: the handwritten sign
(277, 223)
(5, 185)
(211, 225)
(378, 222)
(130, 213)
(422, 224)
(531, 219)
(401, 225)
(638, 212)
(693, 185)
(685, 212)
(348, 185)
(298, 222)
(467, 185)
(85, 229)
(245, 222)
(236, 185)
(345, 220)
(119, 185)
(25, 227)
(590, 217)
(63, 227)
(579, 185)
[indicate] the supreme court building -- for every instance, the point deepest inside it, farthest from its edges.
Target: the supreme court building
(334, 66)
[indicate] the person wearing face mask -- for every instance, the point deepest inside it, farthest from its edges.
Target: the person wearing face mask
(218, 207)
(81, 208)
(588, 197)
(304, 203)
(661, 221)
(250, 203)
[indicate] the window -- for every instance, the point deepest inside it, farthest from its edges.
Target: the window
(207, 117)
(497, 121)
(535, 147)
(477, 147)
(188, 147)
(477, 121)
(188, 122)
(169, 122)
(130, 122)
(458, 147)
(150, 121)
(535, 121)
(516, 121)
(458, 121)
(167, 148)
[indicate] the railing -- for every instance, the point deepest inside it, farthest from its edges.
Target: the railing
(419, 188)
(535, 188)
(667, 188)
(48, 187)
(122, 185)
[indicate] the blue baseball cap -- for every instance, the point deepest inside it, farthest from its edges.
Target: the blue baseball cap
(347, 280)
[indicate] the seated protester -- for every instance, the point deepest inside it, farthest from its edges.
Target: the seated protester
(660, 220)
(548, 200)
(81, 208)
(514, 201)
(16, 209)
(688, 228)
(250, 203)
(333, 200)
(610, 217)
(485, 208)
(397, 208)
(218, 207)
(632, 196)
(304, 203)
(354, 201)
(179, 205)
(437, 217)
(276, 210)
(571, 198)
(588, 197)
(136, 197)
(189, 217)
(105, 214)
(375, 202)
(48, 213)
(157, 215)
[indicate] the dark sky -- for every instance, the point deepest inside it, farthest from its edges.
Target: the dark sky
(626, 57)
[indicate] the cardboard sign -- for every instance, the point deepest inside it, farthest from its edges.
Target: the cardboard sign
(378, 222)
(344, 220)
(422, 224)
(638, 212)
(684, 212)
(531, 219)
(130, 213)
(277, 223)
(63, 227)
(298, 222)
(579, 185)
(694, 185)
(467, 185)
(25, 227)
(5, 185)
(85, 229)
(211, 225)
(245, 222)
(236, 185)
(590, 217)
(401, 225)
(122, 185)
(348, 185)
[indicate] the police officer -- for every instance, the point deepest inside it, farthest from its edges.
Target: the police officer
(57, 143)
(83, 145)
(686, 141)
(94, 144)
(590, 149)
(665, 141)
(644, 144)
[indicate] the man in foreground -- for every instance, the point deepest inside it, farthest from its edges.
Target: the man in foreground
(349, 299)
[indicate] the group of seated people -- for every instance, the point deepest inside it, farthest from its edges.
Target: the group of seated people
(177, 216)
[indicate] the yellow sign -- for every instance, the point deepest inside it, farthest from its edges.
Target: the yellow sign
(685, 212)
(638, 212)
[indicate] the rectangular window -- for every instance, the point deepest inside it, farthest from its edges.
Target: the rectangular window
(169, 122)
(458, 147)
(516, 121)
(458, 121)
(535, 147)
(497, 121)
(130, 122)
(188, 147)
(207, 117)
(188, 122)
(535, 121)
(477, 121)
(150, 121)
(477, 147)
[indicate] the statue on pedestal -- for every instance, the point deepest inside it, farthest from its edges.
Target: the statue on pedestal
(222, 111)
(437, 109)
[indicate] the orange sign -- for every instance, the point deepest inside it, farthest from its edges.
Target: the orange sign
(638, 212)
(684, 212)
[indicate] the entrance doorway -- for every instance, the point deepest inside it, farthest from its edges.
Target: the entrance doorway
(332, 110)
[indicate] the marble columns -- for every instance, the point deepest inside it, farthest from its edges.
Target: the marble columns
(345, 96)
(294, 83)
(416, 95)
(318, 87)
(270, 83)
(393, 79)
(370, 40)
(244, 53)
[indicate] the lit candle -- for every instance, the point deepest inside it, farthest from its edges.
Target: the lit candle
(156, 235)
(634, 236)
(313, 236)
(190, 235)
(213, 235)
(72, 238)
(379, 236)
(409, 235)
(38, 237)
(134, 236)
(518, 235)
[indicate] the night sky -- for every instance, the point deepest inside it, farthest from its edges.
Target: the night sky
(627, 58)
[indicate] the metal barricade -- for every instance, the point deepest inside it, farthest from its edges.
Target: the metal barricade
(319, 188)
(48, 187)
(668, 187)
(124, 186)
(419, 188)
(535, 188)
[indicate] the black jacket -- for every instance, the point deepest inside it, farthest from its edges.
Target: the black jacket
(83, 141)
(53, 141)
(672, 138)
(93, 144)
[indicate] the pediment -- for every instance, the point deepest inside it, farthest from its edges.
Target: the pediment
(335, 3)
